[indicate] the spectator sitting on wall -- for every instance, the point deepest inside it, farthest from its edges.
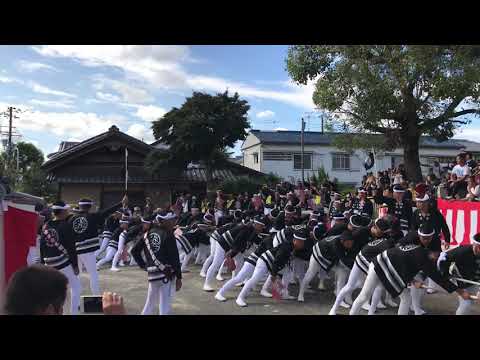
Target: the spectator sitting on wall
(473, 187)
(462, 171)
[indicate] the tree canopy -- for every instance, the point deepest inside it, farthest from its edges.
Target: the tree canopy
(401, 91)
(200, 130)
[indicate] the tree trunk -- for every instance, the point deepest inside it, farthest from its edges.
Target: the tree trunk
(412, 157)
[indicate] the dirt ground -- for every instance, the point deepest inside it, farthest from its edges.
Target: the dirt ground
(131, 283)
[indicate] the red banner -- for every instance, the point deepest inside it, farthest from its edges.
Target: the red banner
(20, 230)
(462, 218)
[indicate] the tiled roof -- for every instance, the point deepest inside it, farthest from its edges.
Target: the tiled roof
(326, 138)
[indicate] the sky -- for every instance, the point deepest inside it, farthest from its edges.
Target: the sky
(73, 92)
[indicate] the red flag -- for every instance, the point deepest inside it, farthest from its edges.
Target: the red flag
(20, 232)
(277, 288)
(230, 263)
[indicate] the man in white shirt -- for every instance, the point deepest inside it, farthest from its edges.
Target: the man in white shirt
(462, 171)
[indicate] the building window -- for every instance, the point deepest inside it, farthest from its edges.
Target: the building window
(277, 156)
(307, 161)
(340, 162)
(255, 158)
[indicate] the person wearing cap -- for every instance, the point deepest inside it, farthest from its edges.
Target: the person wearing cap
(86, 225)
(381, 240)
(397, 267)
(57, 249)
(274, 262)
(116, 244)
(397, 206)
(361, 205)
(463, 262)
(325, 255)
(162, 262)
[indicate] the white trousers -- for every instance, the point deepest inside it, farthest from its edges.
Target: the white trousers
(218, 257)
(258, 273)
(313, 269)
(300, 267)
(209, 260)
(111, 251)
(89, 261)
(118, 254)
(372, 284)
(159, 294)
(202, 253)
(245, 272)
(465, 306)
(103, 246)
(75, 289)
(355, 281)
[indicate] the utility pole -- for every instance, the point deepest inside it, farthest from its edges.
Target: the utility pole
(302, 145)
(10, 121)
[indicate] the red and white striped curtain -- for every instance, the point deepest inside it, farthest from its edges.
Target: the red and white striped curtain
(462, 219)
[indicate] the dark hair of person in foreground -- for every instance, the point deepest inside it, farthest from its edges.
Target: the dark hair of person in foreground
(36, 290)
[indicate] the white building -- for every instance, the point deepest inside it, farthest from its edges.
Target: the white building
(279, 152)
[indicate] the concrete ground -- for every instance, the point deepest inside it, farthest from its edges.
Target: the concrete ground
(131, 283)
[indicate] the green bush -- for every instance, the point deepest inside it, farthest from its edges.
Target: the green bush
(241, 185)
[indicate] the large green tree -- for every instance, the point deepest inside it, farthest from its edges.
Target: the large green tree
(400, 91)
(200, 131)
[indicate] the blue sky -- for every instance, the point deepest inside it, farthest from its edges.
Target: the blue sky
(75, 92)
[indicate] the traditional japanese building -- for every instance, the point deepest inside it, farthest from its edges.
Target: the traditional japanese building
(95, 168)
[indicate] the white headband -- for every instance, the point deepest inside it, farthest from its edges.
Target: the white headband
(299, 237)
(258, 222)
(80, 203)
(425, 198)
(398, 190)
(124, 221)
(146, 221)
(58, 207)
(423, 234)
(168, 216)
(474, 242)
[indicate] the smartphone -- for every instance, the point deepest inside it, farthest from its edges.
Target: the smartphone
(91, 304)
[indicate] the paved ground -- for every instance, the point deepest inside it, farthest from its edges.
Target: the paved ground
(131, 283)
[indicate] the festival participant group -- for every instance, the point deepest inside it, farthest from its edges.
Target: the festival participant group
(387, 244)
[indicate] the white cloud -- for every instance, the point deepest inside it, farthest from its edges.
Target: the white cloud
(47, 91)
(280, 129)
(468, 133)
(129, 93)
(65, 104)
(149, 112)
(265, 114)
(107, 97)
(161, 67)
(141, 132)
(78, 125)
(29, 66)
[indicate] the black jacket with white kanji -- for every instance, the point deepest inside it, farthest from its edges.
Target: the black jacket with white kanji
(228, 237)
(265, 244)
(328, 252)
(86, 227)
(397, 266)
(371, 250)
(111, 224)
(191, 239)
(244, 239)
(401, 210)
(161, 254)
(466, 262)
(57, 245)
(362, 208)
(436, 219)
(282, 236)
(278, 257)
(361, 237)
(219, 231)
